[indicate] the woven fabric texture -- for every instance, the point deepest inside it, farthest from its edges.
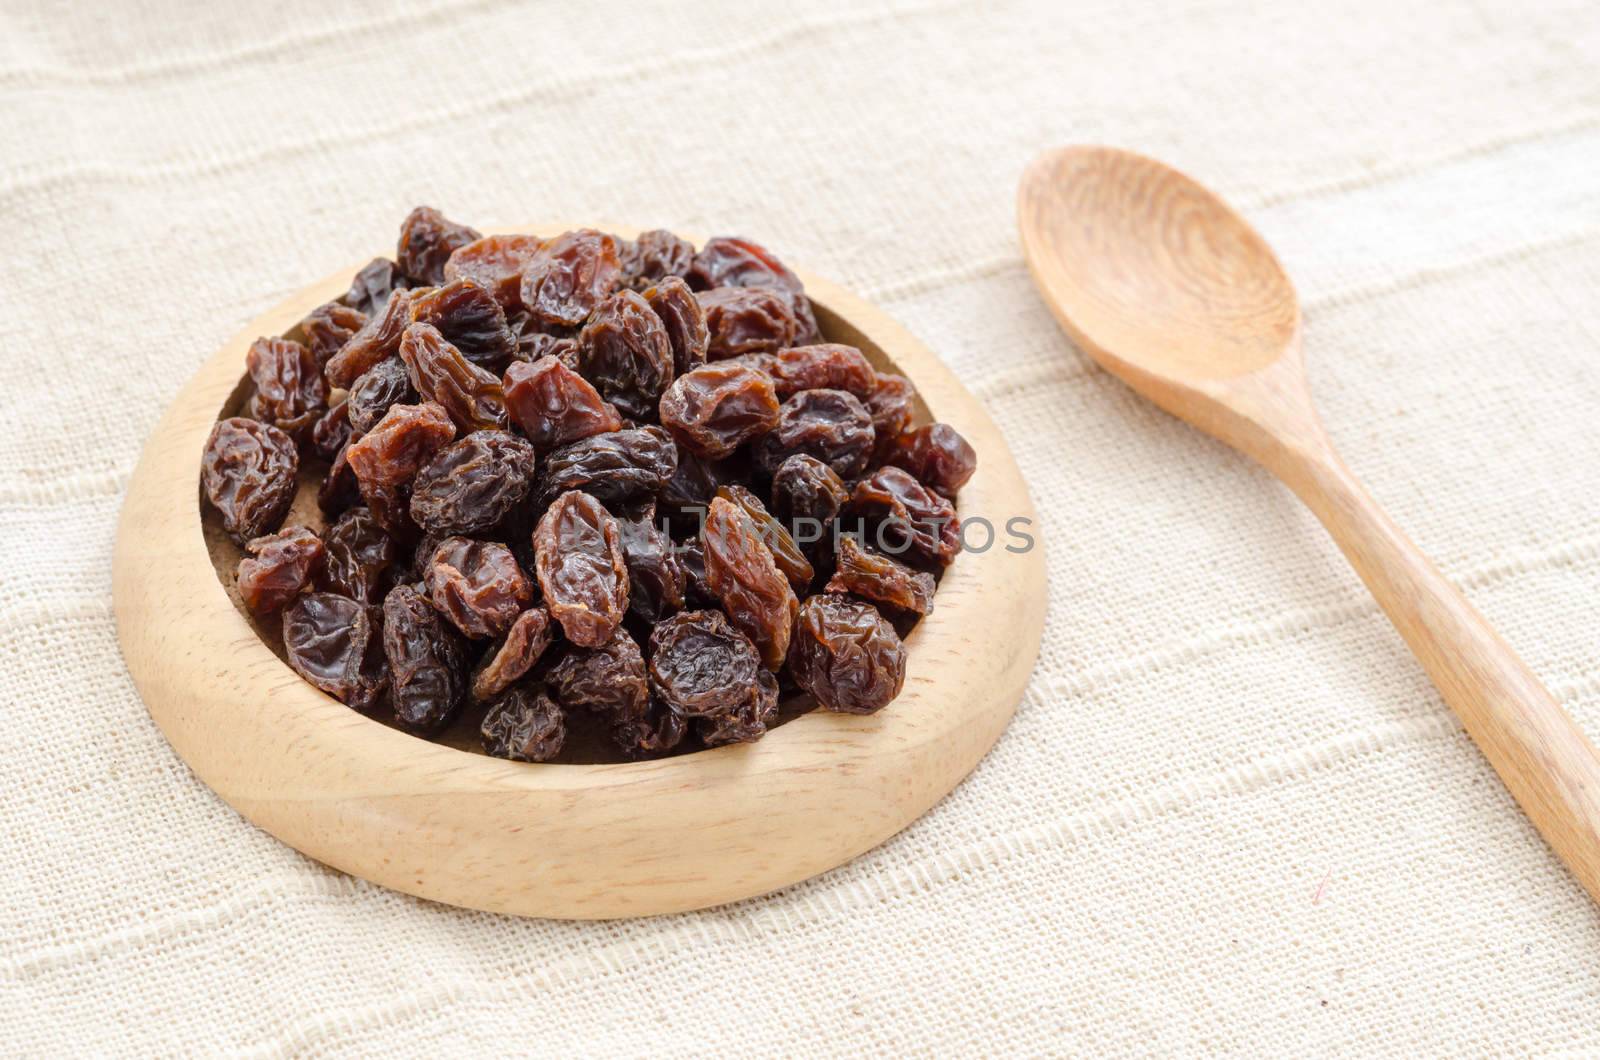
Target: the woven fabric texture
(1231, 816)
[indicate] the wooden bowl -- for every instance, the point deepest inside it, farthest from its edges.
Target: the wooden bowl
(555, 840)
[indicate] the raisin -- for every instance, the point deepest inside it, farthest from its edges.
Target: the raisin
(496, 263)
(718, 407)
(701, 666)
(624, 351)
(746, 320)
(846, 655)
(333, 642)
(880, 579)
(512, 656)
(358, 558)
(406, 438)
(478, 586)
(279, 567)
(695, 481)
(469, 318)
(370, 289)
(747, 722)
(659, 731)
(473, 484)
(377, 390)
(427, 671)
(655, 256)
(614, 467)
(581, 569)
(741, 571)
(608, 679)
(537, 345)
(290, 392)
(804, 488)
(655, 581)
(831, 425)
(554, 405)
(331, 431)
(248, 474)
(327, 328)
(825, 366)
(390, 505)
(378, 339)
(891, 406)
(937, 456)
(472, 396)
(785, 553)
(684, 321)
(339, 490)
(427, 240)
(524, 726)
(912, 518)
(568, 277)
(732, 262)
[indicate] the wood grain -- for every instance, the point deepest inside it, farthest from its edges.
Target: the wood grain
(1169, 289)
(570, 841)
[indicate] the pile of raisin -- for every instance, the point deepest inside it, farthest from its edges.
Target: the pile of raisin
(584, 480)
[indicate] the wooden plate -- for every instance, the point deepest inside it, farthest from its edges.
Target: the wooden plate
(571, 841)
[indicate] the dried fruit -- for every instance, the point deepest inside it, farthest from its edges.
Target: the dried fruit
(248, 474)
(524, 726)
(656, 255)
(892, 406)
(623, 350)
(937, 456)
(377, 390)
(536, 345)
(880, 579)
(718, 407)
(695, 481)
(477, 585)
(427, 240)
(554, 405)
(659, 731)
(655, 581)
(378, 339)
(700, 665)
(804, 488)
(747, 722)
(785, 553)
(406, 438)
(472, 396)
(427, 662)
(470, 319)
(333, 642)
(911, 518)
(732, 262)
(331, 431)
(328, 327)
(568, 277)
(471, 485)
(512, 656)
(339, 490)
(741, 571)
(496, 263)
(614, 467)
(824, 366)
(580, 566)
(608, 679)
(831, 425)
(289, 393)
(370, 289)
(846, 655)
(359, 558)
(683, 320)
(278, 568)
(746, 320)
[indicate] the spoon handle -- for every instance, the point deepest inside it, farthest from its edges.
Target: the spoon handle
(1540, 753)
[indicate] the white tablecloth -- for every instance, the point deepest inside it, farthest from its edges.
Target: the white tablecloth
(1231, 814)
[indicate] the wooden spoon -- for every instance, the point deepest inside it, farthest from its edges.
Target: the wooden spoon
(1175, 294)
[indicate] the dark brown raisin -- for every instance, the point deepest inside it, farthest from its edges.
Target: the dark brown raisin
(684, 321)
(608, 679)
(328, 327)
(378, 339)
(825, 366)
(937, 456)
(427, 240)
(695, 481)
(333, 642)
(718, 407)
(278, 568)
(623, 350)
(568, 277)
(554, 405)
(581, 569)
(536, 345)
(846, 655)
(339, 490)
(892, 408)
(732, 262)
(471, 485)
(427, 662)
(470, 319)
(655, 256)
(831, 425)
(331, 431)
(740, 570)
(880, 579)
(614, 467)
(804, 488)
(359, 557)
(495, 262)
(248, 474)
(406, 438)
(370, 289)
(290, 392)
(785, 553)
(746, 320)
(655, 581)
(701, 665)
(377, 390)
(911, 518)
(471, 395)
(525, 726)
(477, 585)
(510, 658)
(659, 731)
(747, 722)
